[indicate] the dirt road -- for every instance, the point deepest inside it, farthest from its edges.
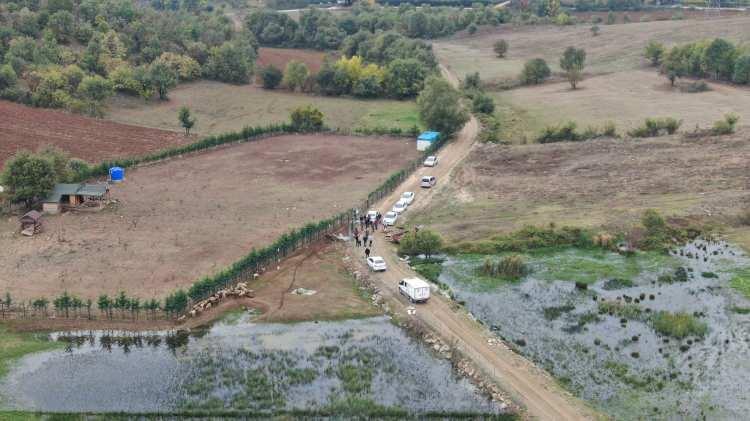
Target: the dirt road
(529, 386)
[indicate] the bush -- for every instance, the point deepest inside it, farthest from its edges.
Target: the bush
(611, 18)
(500, 47)
(419, 242)
(306, 119)
(510, 267)
(535, 71)
(678, 325)
(656, 126)
(271, 77)
(595, 30)
(561, 133)
(741, 72)
(725, 126)
(654, 52)
(483, 103)
(695, 87)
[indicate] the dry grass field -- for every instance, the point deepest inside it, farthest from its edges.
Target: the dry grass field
(221, 107)
(185, 218)
(625, 98)
(279, 57)
(617, 48)
(594, 183)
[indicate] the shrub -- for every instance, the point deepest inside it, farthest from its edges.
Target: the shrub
(654, 52)
(472, 29)
(695, 87)
(500, 47)
(622, 310)
(419, 242)
(656, 126)
(483, 103)
(563, 19)
(741, 72)
(271, 77)
(306, 119)
(573, 61)
(535, 71)
(611, 18)
(510, 267)
(725, 126)
(678, 325)
(595, 30)
(561, 133)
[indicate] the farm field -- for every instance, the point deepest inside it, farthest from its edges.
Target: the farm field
(616, 48)
(185, 218)
(279, 57)
(625, 98)
(86, 138)
(595, 183)
(222, 107)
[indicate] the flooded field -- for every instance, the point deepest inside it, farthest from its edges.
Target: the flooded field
(355, 365)
(643, 337)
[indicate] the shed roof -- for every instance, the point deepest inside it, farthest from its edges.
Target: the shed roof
(429, 136)
(63, 189)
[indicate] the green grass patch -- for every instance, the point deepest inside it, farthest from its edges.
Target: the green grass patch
(740, 310)
(428, 268)
(678, 325)
(15, 345)
(617, 283)
(552, 313)
(741, 281)
(628, 311)
(401, 114)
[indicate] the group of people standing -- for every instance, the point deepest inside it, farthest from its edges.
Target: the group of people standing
(364, 232)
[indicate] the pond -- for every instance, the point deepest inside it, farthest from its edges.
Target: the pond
(237, 364)
(652, 336)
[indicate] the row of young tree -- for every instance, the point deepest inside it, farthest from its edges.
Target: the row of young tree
(119, 306)
(75, 54)
(716, 59)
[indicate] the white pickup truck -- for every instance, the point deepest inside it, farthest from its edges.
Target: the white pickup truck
(415, 289)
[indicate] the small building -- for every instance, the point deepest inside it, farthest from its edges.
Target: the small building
(71, 195)
(426, 139)
(31, 223)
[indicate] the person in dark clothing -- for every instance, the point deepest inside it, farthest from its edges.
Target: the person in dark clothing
(370, 242)
(367, 252)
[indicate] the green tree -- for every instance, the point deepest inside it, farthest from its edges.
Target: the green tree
(440, 107)
(719, 59)
(8, 78)
(28, 177)
(95, 89)
(535, 71)
(483, 103)
(62, 24)
(404, 78)
(740, 75)
(231, 62)
(595, 30)
(611, 18)
(295, 75)
(306, 119)
(673, 66)
(500, 47)
(162, 77)
(472, 81)
(187, 121)
(573, 61)
(655, 52)
(271, 76)
(176, 302)
(421, 241)
(104, 303)
(552, 8)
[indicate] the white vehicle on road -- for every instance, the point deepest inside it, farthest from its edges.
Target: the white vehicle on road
(372, 215)
(400, 206)
(390, 218)
(431, 161)
(376, 263)
(415, 289)
(427, 181)
(408, 197)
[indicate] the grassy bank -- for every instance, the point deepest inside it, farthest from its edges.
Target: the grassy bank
(15, 345)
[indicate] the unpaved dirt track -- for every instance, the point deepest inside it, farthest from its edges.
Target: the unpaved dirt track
(529, 386)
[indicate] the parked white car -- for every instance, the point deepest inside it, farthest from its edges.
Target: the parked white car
(376, 263)
(372, 215)
(390, 218)
(415, 289)
(400, 206)
(408, 197)
(428, 181)
(431, 161)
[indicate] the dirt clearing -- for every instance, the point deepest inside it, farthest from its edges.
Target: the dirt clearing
(617, 48)
(90, 139)
(593, 183)
(185, 218)
(220, 107)
(625, 98)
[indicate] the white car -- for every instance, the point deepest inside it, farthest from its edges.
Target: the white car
(408, 197)
(400, 206)
(372, 215)
(431, 161)
(376, 263)
(428, 181)
(390, 218)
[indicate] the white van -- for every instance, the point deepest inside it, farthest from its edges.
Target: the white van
(415, 289)
(428, 181)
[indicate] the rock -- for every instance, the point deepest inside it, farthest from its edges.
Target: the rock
(181, 319)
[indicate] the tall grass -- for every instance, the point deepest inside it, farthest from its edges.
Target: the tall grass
(511, 267)
(678, 325)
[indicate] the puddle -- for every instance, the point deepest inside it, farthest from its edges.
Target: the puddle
(240, 365)
(618, 361)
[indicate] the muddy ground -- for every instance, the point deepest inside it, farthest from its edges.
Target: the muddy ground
(185, 218)
(594, 183)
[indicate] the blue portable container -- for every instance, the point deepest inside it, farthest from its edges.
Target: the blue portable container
(116, 174)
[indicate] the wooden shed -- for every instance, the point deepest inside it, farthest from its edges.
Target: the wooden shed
(71, 195)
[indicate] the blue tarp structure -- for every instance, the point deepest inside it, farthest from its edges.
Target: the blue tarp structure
(429, 136)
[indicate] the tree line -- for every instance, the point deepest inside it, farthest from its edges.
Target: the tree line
(75, 54)
(716, 59)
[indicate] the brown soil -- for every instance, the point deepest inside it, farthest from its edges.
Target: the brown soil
(189, 217)
(594, 183)
(90, 139)
(279, 57)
